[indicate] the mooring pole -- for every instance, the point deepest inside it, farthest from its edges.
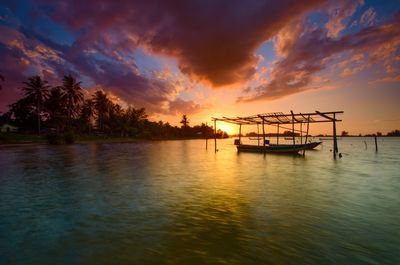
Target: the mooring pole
(240, 133)
(263, 133)
(206, 137)
(277, 135)
(308, 125)
(376, 144)
(258, 135)
(294, 140)
(215, 136)
(335, 148)
(301, 132)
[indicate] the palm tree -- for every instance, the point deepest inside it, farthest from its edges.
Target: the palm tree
(185, 121)
(55, 107)
(72, 95)
(101, 106)
(37, 90)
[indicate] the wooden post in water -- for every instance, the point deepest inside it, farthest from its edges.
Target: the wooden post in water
(215, 136)
(308, 125)
(294, 140)
(206, 137)
(240, 133)
(301, 132)
(258, 135)
(376, 144)
(277, 135)
(335, 148)
(263, 133)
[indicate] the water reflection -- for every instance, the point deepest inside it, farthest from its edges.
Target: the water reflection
(173, 202)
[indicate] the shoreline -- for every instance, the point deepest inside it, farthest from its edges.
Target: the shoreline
(28, 139)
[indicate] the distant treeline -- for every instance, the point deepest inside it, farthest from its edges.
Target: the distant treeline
(343, 134)
(63, 108)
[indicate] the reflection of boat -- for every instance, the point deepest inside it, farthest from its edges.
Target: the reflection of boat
(277, 148)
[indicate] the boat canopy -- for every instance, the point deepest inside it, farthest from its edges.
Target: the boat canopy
(275, 118)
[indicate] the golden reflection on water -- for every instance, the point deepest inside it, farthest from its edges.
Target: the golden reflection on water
(174, 202)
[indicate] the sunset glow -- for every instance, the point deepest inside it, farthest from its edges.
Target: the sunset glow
(319, 55)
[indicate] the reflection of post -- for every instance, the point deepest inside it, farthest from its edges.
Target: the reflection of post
(258, 135)
(376, 144)
(305, 142)
(335, 148)
(215, 135)
(277, 135)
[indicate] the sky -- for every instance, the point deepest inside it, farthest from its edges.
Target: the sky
(211, 58)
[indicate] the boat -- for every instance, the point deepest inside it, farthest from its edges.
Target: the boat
(277, 148)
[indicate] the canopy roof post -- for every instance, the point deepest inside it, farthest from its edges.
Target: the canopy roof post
(240, 133)
(215, 135)
(277, 135)
(263, 130)
(305, 141)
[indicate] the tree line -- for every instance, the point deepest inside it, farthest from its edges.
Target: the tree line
(63, 108)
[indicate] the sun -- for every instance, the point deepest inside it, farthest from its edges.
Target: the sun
(226, 128)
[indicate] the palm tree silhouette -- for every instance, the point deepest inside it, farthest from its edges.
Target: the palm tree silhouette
(72, 96)
(102, 106)
(184, 121)
(38, 91)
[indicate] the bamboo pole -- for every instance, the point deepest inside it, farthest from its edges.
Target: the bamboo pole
(215, 136)
(277, 135)
(240, 133)
(206, 137)
(301, 133)
(258, 135)
(376, 144)
(308, 125)
(335, 148)
(263, 130)
(294, 140)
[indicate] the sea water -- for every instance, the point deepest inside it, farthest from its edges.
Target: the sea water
(174, 202)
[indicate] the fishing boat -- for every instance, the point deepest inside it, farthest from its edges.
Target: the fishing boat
(281, 121)
(277, 148)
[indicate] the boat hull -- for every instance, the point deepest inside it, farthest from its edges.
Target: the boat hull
(277, 148)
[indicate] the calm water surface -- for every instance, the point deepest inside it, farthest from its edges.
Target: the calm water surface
(173, 202)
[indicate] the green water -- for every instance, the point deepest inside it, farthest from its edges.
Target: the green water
(173, 202)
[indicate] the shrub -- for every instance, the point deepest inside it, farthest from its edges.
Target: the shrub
(69, 138)
(54, 138)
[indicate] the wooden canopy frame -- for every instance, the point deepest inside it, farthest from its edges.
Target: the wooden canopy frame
(279, 118)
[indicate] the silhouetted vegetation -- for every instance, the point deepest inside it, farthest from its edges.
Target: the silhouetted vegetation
(62, 111)
(394, 133)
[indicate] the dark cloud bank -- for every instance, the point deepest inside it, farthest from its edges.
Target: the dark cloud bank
(212, 41)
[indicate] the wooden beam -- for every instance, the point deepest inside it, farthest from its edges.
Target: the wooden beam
(326, 116)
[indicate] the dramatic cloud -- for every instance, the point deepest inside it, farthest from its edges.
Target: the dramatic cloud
(180, 106)
(212, 40)
(309, 51)
(338, 13)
